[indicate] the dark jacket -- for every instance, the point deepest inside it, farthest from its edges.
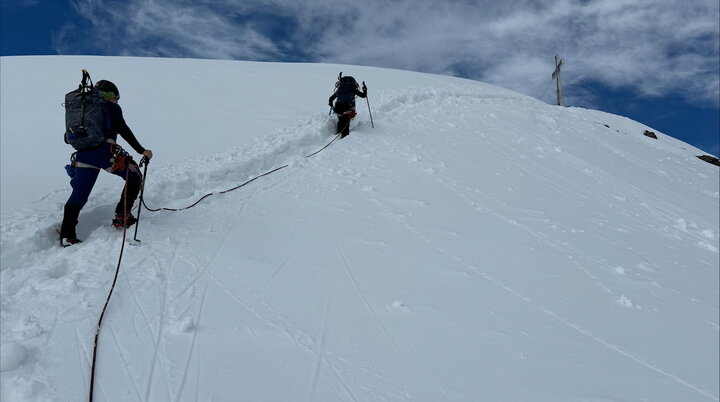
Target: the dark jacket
(356, 92)
(118, 126)
(100, 156)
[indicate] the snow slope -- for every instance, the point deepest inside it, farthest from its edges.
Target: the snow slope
(475, 245)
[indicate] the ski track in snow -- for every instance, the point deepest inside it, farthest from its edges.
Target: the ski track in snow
(369, 307)
(294, 334)
(274, 273)
(163, 290)
(321, 347)
(208, 268)
(127, 364)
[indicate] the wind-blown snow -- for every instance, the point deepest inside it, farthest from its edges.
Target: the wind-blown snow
(475, 245)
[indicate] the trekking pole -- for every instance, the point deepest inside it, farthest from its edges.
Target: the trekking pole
(368, 103)
(143, 161)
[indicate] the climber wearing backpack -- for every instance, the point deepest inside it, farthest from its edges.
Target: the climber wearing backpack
(108, 156)
(345, 91)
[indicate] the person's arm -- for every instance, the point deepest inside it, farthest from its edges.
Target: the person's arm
(121, 127)
(362, 94)
(332, 98)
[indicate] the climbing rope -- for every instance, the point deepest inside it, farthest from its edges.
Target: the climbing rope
(122, 248)
(142, 200)
(112, 288)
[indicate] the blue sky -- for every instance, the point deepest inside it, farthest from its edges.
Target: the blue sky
(655, 61)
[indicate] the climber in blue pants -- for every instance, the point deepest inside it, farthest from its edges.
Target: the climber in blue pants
(108, 156)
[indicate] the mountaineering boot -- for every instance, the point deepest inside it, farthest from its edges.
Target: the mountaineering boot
(67, 242)
(71, 212)
(121, 221)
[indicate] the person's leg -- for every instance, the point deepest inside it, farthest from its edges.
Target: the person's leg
(82, 184)
(344, 125)
(132, 186)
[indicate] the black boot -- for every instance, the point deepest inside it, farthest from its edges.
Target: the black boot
(130, 193)
(70, 220)
(121, 221)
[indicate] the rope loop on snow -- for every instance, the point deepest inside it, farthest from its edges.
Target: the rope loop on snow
(143, 204)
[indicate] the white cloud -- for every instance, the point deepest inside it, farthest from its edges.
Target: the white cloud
(654, 47)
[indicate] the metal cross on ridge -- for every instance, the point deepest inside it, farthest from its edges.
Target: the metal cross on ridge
(556, 76)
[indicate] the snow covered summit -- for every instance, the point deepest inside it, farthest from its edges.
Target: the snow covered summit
(475, 245)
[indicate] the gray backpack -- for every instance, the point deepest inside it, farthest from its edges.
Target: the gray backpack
(346, 87)
(86, 116)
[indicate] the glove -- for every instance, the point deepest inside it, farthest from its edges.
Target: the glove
(364, 87)
(330, 103)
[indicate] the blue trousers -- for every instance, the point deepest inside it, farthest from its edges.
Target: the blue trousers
(105, 157)
(84, 181)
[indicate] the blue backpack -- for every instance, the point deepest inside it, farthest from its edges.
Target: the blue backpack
(86, 116)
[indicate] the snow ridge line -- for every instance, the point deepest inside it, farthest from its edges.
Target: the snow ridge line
(393, 101)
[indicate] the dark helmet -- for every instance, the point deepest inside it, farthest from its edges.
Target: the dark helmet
(107, 86)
